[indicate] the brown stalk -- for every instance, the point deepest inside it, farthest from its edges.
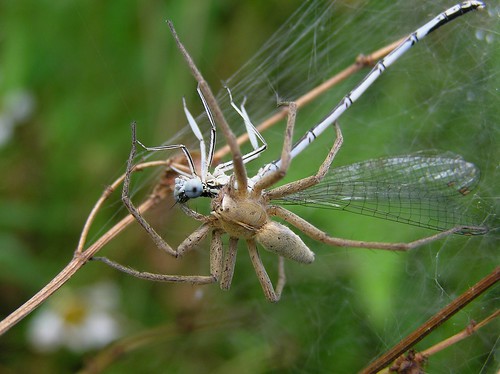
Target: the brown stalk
(434, 322)
(465, 333)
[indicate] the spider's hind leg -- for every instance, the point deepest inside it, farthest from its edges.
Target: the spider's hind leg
(272, 294)
(189, 243)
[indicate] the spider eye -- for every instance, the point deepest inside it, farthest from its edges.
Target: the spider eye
(193, 188)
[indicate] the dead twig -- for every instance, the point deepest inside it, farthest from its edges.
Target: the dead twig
(434, 322)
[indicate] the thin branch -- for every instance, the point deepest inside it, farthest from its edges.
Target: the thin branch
(465, 333)
(413, 360)
(443, 315)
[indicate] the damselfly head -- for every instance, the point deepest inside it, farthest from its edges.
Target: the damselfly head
(187, 188)
(191, 188)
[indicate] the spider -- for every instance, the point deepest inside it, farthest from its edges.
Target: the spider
(242, 208)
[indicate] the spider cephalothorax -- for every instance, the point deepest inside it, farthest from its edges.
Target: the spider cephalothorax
(246, 217)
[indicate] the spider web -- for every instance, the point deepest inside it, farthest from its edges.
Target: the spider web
(350, 305)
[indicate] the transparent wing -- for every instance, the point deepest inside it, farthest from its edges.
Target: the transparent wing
(426, 189)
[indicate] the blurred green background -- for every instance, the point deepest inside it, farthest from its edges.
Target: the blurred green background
(73, 75)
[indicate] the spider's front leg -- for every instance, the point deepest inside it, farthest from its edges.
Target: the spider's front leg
(158, 240)
(307, 182)
(188, 244)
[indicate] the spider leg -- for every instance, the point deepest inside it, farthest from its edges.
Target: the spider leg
(229, 263)
(239, 168)
(195, 215)
(193, 239)
(281, 276)
(160, 243)
(188, 244)
(155, 277)
(274, 176)
(305, 183)
(316, 234)
(216, 254)
(271, 294)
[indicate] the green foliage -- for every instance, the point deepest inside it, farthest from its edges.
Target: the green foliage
(94, 67)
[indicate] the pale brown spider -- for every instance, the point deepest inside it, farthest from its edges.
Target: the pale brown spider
(246, 213)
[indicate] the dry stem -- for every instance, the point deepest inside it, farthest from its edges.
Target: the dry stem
(434, 322)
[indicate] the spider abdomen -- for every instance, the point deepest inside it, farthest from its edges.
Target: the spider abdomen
(279, 239)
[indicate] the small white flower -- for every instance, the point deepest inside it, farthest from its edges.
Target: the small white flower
(77, 320)
(17, 106)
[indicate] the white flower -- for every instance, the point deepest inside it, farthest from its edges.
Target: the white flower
(77, 320)
(17, 106)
